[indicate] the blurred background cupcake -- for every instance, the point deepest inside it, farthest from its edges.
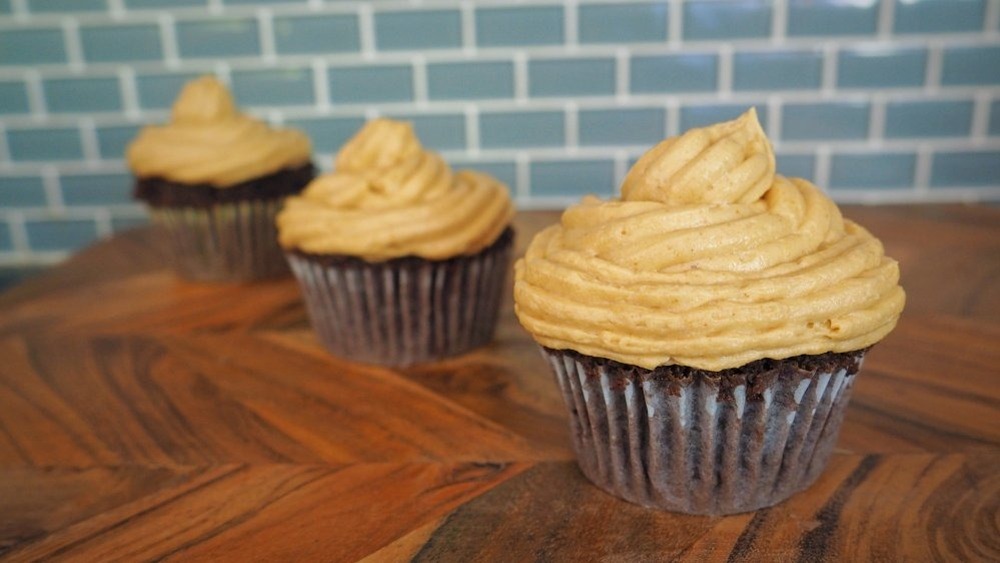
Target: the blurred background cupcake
(706, 328)
(400, 259)
(214, 179)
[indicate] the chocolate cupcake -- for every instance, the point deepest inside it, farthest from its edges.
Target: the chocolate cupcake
(706, 327)
(400, 259)
(214, 179)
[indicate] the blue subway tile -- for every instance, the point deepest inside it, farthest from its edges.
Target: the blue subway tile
(370, 84)
(701, 116)
(994, 126)
(13, 97)
(847, 120)
(965, 168)
(470, 80)
(571, 77)
(515, 27)
(245, 2)
(971, 65)
(734, 19)
(56, 6)
(572, 177)
(60, 234)
(72, 95)
(503, 170)
(928, 119)
(5, 7)
(930, 16)
(328, 134)
(315, 33)
(787, 70)
(159, 90)
(226, 37)
(112, 140)
(639, 126)
(6, 241)
(124, 223)
(45, 144)
(831, 17)
(119, 43)
(611, 23)
(881, 67)
(425, 29)
(796, 165)
(274, 87)
(439, 131)
(872, 170)
(690, 72)
(96, 189)
(22, 191)
(522, 129)
(32, 46)
(155, 4)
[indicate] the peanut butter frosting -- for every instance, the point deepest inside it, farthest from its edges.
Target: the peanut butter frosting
(709, 260)
(389, 197)
(209, 141)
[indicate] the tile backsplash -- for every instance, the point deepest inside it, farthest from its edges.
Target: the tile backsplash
(875, 100)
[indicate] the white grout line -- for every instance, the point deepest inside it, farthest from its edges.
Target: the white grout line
(523, 175)
(420, 92)
(168, 40)
(51, 185)
(265, 33)
(622, 72)
(116, 8)
(981, 115)
(215, 7)
(366, 31)
(672, 118)
(621, 168)
(991, 18)
(935, 58)
(36, 94)
(572, 127)
(570, 22)
(129, 92)
(89, 142)
(922, 176)
(724, 86)
(830, 58)
(876, 124)
(103, 219)
(779, 21)
(472, 128)
(468, 26)
(675, 24)
(774, 109)
(4, 147)
(520, 77)
(276, 117)
(18, 232)
(224, 72)
(885, 16)
(20, 9)
(74, 48)
(321, 85)
(822, 171)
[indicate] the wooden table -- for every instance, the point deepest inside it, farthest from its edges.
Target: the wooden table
(142, 417)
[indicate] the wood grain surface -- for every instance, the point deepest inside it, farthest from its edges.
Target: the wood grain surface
(146, 418)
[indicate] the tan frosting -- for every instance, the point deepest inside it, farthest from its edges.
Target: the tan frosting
(708, 260)
(388, 197)
(208, 141)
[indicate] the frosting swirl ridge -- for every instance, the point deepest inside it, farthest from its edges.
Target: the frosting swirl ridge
(209, 141)
(389, 197)
(698, 265)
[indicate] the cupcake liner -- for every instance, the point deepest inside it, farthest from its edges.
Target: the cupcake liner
(719, 444)
(223, 242)
(407, 310)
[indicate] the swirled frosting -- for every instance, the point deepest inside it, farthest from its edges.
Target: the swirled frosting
(389, 197)
(708, 260)
(208, 141)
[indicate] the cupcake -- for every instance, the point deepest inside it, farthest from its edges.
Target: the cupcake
(706, 327)
(214, 179)
(400, 259)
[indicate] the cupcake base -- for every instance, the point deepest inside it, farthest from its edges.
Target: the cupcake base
(406, 310)
(699, 442)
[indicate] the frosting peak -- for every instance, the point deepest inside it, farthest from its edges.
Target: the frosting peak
(710, 260)
(209, 141)
(389, 197)
(727, 162)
